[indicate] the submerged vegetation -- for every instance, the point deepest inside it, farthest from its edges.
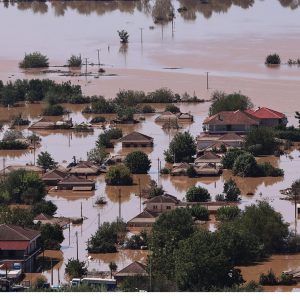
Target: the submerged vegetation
(34, 60)
(273, 59)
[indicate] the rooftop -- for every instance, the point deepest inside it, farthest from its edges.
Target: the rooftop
(17, 233)
(136, 136)
(265, 113)
(134, 269)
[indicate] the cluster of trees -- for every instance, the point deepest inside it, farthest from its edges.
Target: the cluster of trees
(119, 175)
(241, 238)
(270, 279)
(34, 60)
(45, 161)
(244, 164)
(37, 90)
(107, 237)
(273, 59)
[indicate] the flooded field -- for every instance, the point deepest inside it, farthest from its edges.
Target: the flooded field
(228, 40)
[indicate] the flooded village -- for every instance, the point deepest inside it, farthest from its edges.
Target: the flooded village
(158, 124)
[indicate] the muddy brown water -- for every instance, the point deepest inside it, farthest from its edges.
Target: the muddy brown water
(206, 38)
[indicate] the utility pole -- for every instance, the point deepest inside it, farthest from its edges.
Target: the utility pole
(140, 195)
(158, 169)
(58, 276)
(81, 210)
(141, 29)
(207, 80)
(119, 203)
(98, 50)
(4, 167)
(69, 232)
(86, 61)
(51, 272)
(76, 244)
(34, 151)
(99, 220)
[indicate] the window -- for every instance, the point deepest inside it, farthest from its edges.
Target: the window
(168, 207)
(154, 206)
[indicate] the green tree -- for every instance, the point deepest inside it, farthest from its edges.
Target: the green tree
(261, 141)
(17, 216)
(118, 175)
(106, 237)
(112, 267)
(228, 102)
(51, 236)
(200, 264)
(34, 60)
(54, 110)
(227, 213)
(181, 148)
(172, 108)
(200, 213)
(45, 161)
(22, 187)
(138, 162)
(44, 207)
(125, 113)
(197, 194)
(231, 191)
(75, 61)
(75, 268)
(230, 157)
(167, 232)
(245, 165)
(97, 155)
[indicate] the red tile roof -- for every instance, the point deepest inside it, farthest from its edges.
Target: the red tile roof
(265, 113)
(134, 269)
(231, 118)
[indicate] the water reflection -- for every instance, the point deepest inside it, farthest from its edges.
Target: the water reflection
(162, 11)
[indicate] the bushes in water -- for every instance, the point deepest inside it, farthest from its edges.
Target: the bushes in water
(54, 110)
(273, 59)
(104, 139)
(75, 61)
(200, 213)
(118, 175)
(34, 60)
(96, 120)
(197, 194)
(12, 145)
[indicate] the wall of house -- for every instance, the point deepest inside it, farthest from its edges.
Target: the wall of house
(160, 207)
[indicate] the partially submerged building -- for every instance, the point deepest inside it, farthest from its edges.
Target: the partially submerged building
(19, 247)
(53, 177)
(136, 139)
(135, 269)
(76, 183)
(85, 168)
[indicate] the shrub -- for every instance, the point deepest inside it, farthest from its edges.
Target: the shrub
(45, 161)
(100, 106)
(75, 61)
(155, 191)
(273, 59)
(228, 102)
(268, 279)
(54, 110)
(172, 108)
(130, 98)
(181, 148)
(191, 172)
(165, 171)
(34, 60)
(137, 241)
(286, 279)
(197, 194)
(51, 236)
(125, 113)
(12, 145)
(200, 213)
(266, 169)
(220, 197)
(138, 162)
(118, 175)
(75, 268)
(104, 139)
(97, 155)
(227, 213)
(98, 120)
(231, 191)
(148, 109)
(44, 207)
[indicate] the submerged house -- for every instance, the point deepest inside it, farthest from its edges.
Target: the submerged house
(29, 168)
(46, 219)
(85, 168)
(268, 117)
(162, 203)
(166, 116)
(208, 157)
(135, 269)
(144, 219)
(76, 183)
(19, 246)
(53, 177)
(136, 139)
(185, 117)
(179, 169)
(230, 121)
(208, 169)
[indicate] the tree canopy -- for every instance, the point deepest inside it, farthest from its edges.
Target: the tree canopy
(228, 102)
(197, 194)
(45, 161)
(181, 149)
(138, 162)
(118, 175)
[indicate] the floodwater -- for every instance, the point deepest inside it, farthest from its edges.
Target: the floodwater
(228, 40)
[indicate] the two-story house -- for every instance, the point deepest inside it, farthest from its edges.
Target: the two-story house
(19, 245)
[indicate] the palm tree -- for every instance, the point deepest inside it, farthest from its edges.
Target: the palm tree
(113, 268)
